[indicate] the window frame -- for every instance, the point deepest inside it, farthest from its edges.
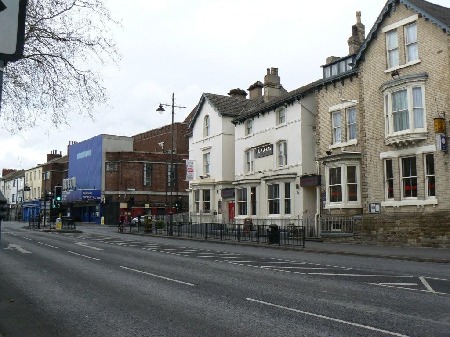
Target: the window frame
(389, 192)
(248, 127)
(281, 116)
(392, 50)
(287, 198)
(147, 174)
(282, 153)
(341, 185)
(410, 108)
(206, 126)
(411, 178)
(430, 177)
(242, 200)
(408, 44)
(253, 202)
(249, 158)
(351, 125)
(336, 129)
(206, 163)
(273, 199)
(197, 201)
(206, 201)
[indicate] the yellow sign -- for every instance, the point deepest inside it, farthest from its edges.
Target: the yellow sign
(439, 125)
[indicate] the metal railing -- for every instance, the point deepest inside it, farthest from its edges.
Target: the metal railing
(337, 226)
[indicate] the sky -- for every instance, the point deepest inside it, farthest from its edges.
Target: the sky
(197, 46)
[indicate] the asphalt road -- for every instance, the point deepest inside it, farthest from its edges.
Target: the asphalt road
(100, 283)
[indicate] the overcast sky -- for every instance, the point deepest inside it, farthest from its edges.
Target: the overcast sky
(196, 46)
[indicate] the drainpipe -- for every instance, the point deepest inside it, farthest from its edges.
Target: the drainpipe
(317, 215)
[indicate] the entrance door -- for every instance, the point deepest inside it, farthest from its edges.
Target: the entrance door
(231, 211)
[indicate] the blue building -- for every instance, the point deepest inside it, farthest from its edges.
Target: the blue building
(83, 190)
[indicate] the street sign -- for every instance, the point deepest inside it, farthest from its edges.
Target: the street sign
(12, 28)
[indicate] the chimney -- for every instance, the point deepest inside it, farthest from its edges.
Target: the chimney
(255, 90)
(272, 86)
(358, 35)
(52, 155)
(237, 93)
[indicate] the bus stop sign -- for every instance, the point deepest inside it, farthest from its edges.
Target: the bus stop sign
(12, 28)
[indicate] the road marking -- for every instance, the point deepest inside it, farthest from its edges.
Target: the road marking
(368, 327)
(45, 244)
(158, 276)
(85, 245)
(18, 248)
(405, 288)
(426, 284)
(280, 267)
(397, 284)
(87, 257)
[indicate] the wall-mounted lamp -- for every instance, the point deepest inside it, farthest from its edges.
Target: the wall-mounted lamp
(395, 74)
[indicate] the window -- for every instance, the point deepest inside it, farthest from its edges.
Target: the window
(287, 198)
(171, 175)
(197, 201)
(206, 201)
(412, 52)
(206, 163)
(336, 124)
(405, 110)
(389, 179)
(112, 166)
(409, 177)
(335, 188)
(351, 123)
(282, 153)
(352, 184)
(273, 197)
(206, 126)
(281, 116)
(249, 162)
(253, 200)
(13, 198)
(430, 176)
(147, 174)
(392, 48)
(343, 189)
(242, 201)
(248, 127)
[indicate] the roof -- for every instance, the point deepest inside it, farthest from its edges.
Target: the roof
(14, 175)
(438, 15)
(287, 98)
(224, 105)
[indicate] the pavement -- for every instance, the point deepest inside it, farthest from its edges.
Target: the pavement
(409, 253)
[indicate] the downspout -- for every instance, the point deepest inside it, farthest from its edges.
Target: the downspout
(317, 215)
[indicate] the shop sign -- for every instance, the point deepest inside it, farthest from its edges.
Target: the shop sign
(310, 180)
(263, 150)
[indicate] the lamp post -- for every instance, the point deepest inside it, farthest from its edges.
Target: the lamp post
(171, 175)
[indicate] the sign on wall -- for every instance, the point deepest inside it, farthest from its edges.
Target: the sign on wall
(190, 171)
(263, 150)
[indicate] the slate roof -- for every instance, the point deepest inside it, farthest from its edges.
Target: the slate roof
(224, 105)
(287, 98)
(436, 14)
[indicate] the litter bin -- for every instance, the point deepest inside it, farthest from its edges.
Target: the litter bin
(273, 234)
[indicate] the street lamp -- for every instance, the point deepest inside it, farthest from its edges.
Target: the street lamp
(161, 110)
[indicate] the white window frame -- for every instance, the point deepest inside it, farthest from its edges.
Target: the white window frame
(287, 198)
(197, 201)
(206, 126)
(249, 127)
(275, 199)
(389, 179)
(393, 51)
(344, 203)
(336, 127)
(405, 178)
(411, 109)
(206, 200)
(413, 44)
(281, 116)
(242, 201)
(249, 158)
(206, 163)
(351, 125)
(281, 153)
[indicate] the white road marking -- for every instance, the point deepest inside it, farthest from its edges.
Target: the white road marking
(85, 245)
(426, 284)
(12, 246)
(87, 257)
(405, 288)
(158, 276)
(367, 327)
(280, 267)
(45, 244)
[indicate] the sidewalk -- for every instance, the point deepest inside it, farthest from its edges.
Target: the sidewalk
(409, 253)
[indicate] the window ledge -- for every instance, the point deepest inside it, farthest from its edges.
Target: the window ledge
(405, 139)
(338, 205)
(415, 202)
(344, 144)
(401, 66)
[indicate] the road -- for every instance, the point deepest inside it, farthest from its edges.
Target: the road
(101, 283)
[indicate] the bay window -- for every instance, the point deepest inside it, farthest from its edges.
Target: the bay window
(273, 198)
(242, 201)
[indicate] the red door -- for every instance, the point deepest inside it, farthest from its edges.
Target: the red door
(231, 211)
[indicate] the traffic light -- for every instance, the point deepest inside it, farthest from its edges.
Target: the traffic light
(58, 194)
(3, 206)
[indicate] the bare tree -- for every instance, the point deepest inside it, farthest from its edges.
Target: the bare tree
(65, 42)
